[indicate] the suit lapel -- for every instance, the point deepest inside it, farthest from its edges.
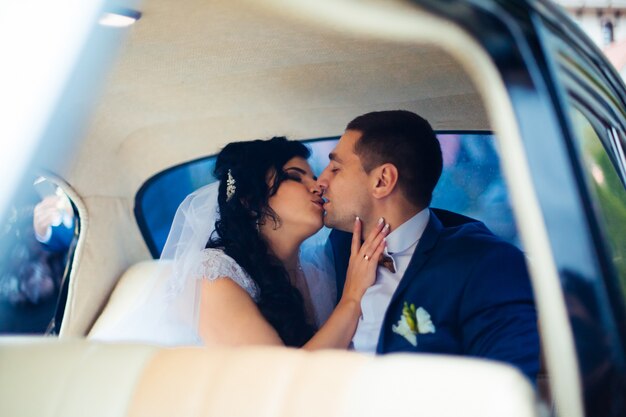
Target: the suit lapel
(340, 243)
(427, 242)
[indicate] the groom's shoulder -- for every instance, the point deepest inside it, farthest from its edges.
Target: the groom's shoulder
(457, 230)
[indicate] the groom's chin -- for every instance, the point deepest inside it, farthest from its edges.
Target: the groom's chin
(334, 225)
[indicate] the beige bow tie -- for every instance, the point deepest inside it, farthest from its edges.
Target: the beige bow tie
(386, 262)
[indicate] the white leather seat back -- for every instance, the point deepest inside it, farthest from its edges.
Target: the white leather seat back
(128, 292)
(43, 377)
(77, 378)
(275, 382)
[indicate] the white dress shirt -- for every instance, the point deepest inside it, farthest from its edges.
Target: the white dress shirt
(401, 244)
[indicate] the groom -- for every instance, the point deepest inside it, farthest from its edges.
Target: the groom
(448, 285)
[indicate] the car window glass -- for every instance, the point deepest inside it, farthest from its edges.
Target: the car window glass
(471, 184)
(40, 235)
(606, 189)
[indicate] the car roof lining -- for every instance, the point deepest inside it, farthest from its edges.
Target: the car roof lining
(192, 77)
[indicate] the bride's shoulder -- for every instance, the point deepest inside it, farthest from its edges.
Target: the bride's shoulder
(216, 255)
(217, 264)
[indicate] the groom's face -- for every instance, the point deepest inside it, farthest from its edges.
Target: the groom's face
(345, 185)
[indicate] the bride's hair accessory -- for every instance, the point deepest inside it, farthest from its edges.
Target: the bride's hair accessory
(230, 186)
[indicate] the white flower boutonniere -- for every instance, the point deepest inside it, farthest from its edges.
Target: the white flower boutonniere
(413, 322)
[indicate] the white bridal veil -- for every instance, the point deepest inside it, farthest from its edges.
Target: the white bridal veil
(166, 309)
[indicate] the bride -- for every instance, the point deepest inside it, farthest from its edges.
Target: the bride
(236, 278)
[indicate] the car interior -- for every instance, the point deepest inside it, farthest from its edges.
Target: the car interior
(191, 77)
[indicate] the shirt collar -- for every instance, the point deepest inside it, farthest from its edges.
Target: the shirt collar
(409, 232)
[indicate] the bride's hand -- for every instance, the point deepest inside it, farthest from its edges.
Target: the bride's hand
(364, 260)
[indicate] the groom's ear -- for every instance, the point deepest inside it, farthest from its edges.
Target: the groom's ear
(385, 180)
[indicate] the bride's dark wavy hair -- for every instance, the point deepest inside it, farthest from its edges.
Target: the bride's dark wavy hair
(253, 164)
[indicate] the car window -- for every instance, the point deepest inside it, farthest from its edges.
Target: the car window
(39, 236)
(606, 188)
(471, 184)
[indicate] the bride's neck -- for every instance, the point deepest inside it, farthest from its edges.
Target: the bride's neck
(284, 246)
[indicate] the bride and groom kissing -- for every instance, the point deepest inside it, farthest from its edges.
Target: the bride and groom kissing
(409, 278)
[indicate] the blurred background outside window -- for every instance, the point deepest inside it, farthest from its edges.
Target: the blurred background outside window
(604, 21)
(39, 236)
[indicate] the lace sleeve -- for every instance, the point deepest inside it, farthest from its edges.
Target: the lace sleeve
(216, 264)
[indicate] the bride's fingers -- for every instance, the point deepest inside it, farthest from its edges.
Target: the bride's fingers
(375, 231)
(375, 237)
(378, 240)
(379, 249)
(356, 235)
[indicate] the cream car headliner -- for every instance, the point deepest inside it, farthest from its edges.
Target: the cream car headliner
(194, 75)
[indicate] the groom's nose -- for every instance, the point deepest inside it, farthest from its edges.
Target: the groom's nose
(322, 180)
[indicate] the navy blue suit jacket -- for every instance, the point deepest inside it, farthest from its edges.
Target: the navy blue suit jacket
(475, 287)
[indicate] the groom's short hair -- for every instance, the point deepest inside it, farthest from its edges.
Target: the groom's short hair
(405, 140)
